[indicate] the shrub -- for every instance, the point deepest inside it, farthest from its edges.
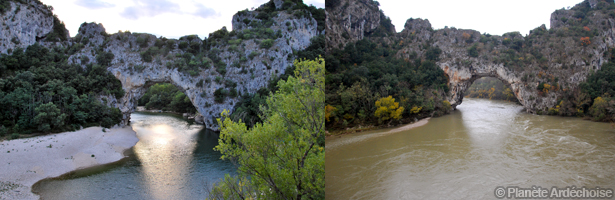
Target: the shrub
(585, 41)
(183, 45)
(599, 109)
(233, 93)
(473, 51)
(230, 83)
(104, 58)
(433, 53)
(266, 44)
(142, 42)
(253, 54)
(220, 95)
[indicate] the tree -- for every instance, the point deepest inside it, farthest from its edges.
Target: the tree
(48, 117)
(282, 157)
(491, 93)
(387, 108)
(329, 112)
(599, 109)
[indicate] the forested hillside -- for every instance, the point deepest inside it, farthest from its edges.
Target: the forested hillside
(365, 72)
(366, 84)
(41, 92)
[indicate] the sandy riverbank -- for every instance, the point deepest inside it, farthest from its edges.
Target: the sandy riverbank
(360, 138)
(24, 162)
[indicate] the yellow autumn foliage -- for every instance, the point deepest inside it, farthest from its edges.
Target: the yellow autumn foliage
(415, 109)
(328, 111)
(387, 108)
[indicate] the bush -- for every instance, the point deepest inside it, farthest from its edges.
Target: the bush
(183, 45)
(266, 44)
(142, 41)
(473, 51)
(253, 54)
(220, 95)
(433, 53)
(599, 109)
(105, 58)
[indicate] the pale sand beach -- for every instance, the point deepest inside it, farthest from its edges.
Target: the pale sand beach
(370, 135)
(23, 162)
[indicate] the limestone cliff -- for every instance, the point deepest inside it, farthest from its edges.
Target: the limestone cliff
(561, 57)
(242, 60)
(24, 24)
(349, 21)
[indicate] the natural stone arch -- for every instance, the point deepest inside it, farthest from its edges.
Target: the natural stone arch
(461, 78)
(136, 86)
(136, 75)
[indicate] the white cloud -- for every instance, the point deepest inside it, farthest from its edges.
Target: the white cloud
(205, 12)
(168, 18)
(149, 8)
(93, 4)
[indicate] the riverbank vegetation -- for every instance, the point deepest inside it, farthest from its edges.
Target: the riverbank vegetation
(166, 97)
(366, 71)
(282, 157)
(41, 93)
(593, 100)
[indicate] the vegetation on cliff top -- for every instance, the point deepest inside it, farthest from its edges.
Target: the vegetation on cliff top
(40, 92)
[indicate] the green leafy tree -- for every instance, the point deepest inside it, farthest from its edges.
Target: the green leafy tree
(48, 117)
(283, 157)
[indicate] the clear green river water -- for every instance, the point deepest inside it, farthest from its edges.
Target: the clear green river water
(174, 159)
(467, 154)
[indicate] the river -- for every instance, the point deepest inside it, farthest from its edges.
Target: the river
(174, 159)
(467, 154)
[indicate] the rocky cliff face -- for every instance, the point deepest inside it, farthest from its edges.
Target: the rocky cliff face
(557, 56)
(24, 24)
(350, 21)
(185, 62)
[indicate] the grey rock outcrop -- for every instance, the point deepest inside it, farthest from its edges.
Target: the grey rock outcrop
(350, 21)
(23, 25)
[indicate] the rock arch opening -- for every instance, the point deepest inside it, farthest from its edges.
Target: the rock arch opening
(165, 97)
(461, 78)
(490, 88)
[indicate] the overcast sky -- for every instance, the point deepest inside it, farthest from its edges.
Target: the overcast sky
(491, 16)
(168, 18)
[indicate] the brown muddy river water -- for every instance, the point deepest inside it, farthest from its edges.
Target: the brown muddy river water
(467, 154)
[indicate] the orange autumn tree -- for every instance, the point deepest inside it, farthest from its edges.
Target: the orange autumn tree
(387, 108)
(585, 41)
